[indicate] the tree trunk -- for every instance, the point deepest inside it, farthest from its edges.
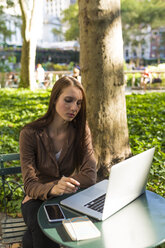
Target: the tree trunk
(139, 50)
(31, 18)
(101, 62)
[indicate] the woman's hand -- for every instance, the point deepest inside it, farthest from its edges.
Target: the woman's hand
(66, 185)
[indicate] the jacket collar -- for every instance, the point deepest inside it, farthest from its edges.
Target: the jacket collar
(48, 144)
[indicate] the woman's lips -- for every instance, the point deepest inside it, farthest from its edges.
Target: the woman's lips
(71, 115)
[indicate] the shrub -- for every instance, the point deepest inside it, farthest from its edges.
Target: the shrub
(145, 114)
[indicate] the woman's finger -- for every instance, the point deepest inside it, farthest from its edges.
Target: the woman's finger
(71, 180)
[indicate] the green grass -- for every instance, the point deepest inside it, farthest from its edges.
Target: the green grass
(146, 122)
(18, 107)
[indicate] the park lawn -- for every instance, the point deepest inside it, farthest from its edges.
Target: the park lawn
(146, 122)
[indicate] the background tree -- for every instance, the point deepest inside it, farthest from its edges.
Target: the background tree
(31, 20)
(137, 24)
(58, 32)
(4, 30)
(71, 18)
(101, 62)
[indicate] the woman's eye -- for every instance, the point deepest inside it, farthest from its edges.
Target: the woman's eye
(68, 100)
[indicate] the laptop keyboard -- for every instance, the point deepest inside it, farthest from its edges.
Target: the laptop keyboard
(97, 204)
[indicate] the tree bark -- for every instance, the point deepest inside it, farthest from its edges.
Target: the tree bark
(31, 20)
(101, 62)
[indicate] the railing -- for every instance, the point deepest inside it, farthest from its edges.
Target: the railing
(8, 80)
(11, 79)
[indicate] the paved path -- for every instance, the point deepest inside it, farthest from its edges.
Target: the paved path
(129, 91)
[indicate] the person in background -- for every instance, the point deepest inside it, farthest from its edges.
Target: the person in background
(76, 74)
(12, 80)
(41, 76)
(56, 155)
(146, 79)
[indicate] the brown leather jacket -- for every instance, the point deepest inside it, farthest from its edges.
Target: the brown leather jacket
(41, 171)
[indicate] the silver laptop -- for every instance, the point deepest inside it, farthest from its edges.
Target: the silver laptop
(127, 181)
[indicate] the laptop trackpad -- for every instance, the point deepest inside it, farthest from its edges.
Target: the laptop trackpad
(93, 192)
(96, 190)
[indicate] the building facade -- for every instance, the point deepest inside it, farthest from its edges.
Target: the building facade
(150, 46)
(51, 20)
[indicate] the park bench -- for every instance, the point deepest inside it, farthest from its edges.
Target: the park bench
(12, 228)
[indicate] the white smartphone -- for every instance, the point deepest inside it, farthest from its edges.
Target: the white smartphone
(54, 212)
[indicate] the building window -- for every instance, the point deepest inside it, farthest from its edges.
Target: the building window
(154, 48)
(126, 53)
(142, 52)
(134, 53)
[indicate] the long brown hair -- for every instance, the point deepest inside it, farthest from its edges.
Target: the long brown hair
(79, 122)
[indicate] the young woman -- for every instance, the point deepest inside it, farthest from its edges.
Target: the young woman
(56, 155)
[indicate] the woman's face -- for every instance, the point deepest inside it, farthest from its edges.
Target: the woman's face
(69, 103)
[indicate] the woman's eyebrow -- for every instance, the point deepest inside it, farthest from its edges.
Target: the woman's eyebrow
(69, 96)
(74, 98)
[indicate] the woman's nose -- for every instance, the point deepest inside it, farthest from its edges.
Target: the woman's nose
(74, 107)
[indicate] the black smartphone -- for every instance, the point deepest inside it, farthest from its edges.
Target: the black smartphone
(54, 212)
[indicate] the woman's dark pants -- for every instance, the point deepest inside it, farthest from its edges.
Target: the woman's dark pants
(34, 237)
